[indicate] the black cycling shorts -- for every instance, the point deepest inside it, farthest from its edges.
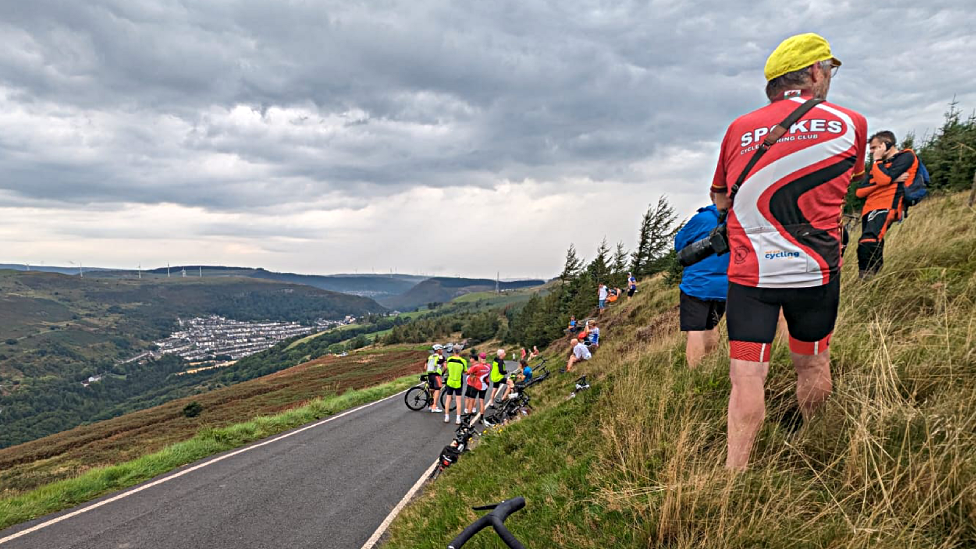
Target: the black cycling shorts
(471, 392)
(754, 312)
(630, 292)
(434, 380)
(699, 315)
(448, 390)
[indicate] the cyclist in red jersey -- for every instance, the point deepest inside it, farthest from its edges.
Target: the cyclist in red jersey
(784, 232)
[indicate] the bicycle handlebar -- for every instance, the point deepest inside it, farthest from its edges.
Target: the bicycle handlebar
(495, 519)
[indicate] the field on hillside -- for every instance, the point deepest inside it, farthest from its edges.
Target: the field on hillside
(443, 290)
(492, 299)
(58, 324)
(57, 330)
(638, 461)
(70, 453)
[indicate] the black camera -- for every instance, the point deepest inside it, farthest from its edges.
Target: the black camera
(716, 243)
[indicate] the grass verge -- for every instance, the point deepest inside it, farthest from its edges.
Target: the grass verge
(97, 482)
(890, 461)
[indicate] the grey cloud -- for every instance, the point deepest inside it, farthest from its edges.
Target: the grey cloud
(389, 95)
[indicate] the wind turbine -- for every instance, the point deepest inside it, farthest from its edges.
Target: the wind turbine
(167, 270)
(81, 270)
(140, 271)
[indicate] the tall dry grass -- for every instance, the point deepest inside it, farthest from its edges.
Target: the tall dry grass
(890, 461)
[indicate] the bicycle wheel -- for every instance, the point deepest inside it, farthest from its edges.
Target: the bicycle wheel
(417, 398)
(448, 403)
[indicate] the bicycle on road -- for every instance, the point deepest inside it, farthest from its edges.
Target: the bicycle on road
(495, 519)
(420, 396)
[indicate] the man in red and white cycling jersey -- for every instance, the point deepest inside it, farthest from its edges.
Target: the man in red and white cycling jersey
(784, 232)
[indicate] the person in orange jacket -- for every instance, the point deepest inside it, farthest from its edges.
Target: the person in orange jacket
(884, 192)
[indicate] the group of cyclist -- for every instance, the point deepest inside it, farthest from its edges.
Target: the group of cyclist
(468, 381)
(778, 259)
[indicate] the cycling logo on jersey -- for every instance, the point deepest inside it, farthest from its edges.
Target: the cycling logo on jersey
(778, 254)
(802, 130)
(741, 253)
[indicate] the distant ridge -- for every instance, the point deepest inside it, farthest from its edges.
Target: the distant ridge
(383, 287)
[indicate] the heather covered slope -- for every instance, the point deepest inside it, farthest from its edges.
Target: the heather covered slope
(637, 461)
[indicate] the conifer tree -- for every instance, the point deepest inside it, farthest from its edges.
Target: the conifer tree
(656, 238)
(618, 266)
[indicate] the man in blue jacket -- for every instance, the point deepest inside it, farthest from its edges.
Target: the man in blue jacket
(704, 286)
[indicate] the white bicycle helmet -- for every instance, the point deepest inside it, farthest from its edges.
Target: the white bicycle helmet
(438, 346)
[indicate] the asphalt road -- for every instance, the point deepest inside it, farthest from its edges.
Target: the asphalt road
(329, 486)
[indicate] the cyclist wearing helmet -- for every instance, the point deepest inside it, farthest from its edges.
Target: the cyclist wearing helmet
(434, 364)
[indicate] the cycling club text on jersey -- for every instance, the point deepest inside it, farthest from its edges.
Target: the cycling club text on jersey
(804, 129)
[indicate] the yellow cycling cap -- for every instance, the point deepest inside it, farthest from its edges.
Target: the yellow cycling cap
(797, 52)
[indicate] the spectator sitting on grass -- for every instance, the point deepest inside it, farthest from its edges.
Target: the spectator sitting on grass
(580, 352)
(594, 336)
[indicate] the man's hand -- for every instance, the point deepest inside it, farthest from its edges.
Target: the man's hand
(722, 201)
(902, 178)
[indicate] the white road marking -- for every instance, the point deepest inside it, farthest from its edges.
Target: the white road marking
(399, 507)
(185, 471)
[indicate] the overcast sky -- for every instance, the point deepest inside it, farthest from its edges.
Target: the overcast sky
(441, 137)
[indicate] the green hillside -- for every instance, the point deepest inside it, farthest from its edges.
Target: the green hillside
(442, 290)
(637, 461)
(57, 330)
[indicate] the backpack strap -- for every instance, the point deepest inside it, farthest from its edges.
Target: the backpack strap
(778, 131)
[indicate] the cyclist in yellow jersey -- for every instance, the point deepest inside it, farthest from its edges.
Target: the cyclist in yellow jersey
(497, 375)
(456, 366)
(434, 362)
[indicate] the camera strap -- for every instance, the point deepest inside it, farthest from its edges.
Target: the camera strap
(778, 131)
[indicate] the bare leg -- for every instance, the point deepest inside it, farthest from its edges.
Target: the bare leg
(459, 400)
(813, 383)
(437, 394)
(700, 344)
(747, 409)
